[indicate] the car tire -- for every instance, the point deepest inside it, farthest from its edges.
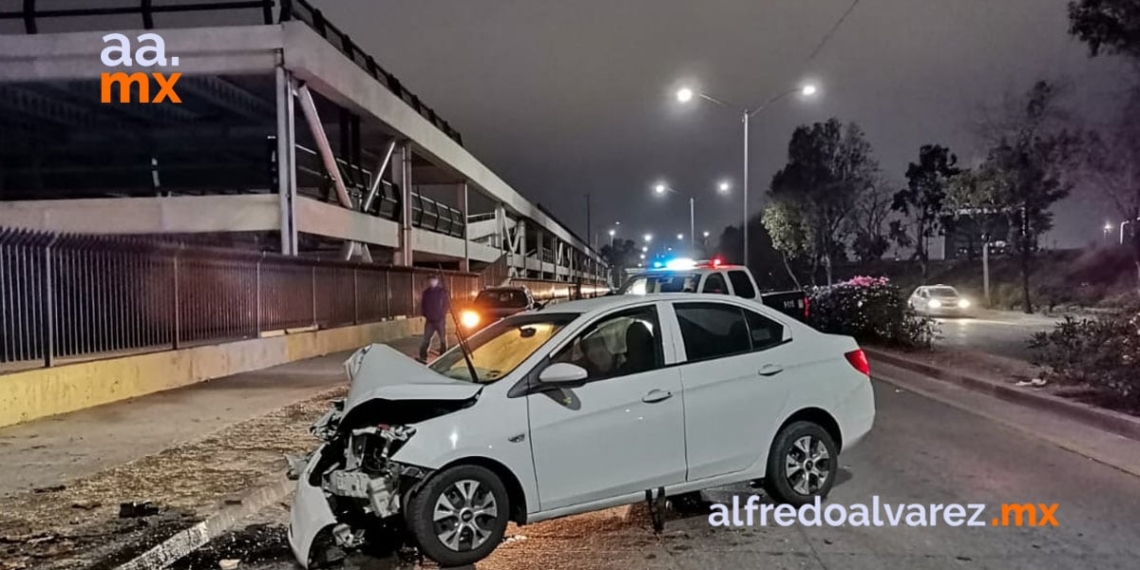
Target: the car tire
(802, 464)
(468, 536)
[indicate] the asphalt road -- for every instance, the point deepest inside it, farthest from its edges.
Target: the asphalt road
(996, 332)
(920, 451)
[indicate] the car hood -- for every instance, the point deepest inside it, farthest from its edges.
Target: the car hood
(379, 371)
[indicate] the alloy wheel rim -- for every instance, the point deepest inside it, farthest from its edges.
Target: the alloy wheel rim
(807, 465)
(464, 515)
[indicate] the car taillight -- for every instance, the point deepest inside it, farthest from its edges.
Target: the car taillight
(858, 359)
(807, 307)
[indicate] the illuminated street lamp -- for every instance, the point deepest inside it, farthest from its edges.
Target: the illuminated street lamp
(648, 238)
(687, 94)
(662, 188)
(1107, 228)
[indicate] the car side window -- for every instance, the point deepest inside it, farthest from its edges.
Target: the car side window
(624, 343)
(712, 330)
(742, 284)
(763, 332)
(714, 283)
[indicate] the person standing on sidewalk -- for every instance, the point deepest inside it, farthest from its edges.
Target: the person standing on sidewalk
(434, 305)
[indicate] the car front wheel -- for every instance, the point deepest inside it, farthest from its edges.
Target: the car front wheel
(459, 515)
(802, 464)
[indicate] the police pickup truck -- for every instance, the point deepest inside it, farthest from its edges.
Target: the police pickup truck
(714, 276)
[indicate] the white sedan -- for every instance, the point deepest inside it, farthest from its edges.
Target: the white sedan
(578, 407)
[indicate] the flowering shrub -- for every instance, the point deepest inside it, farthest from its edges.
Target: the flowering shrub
(871, 310)
(1103, 354)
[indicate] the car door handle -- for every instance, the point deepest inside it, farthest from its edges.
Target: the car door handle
(770, 370)
(655, 396)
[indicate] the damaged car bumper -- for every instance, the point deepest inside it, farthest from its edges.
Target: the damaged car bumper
(311, 513)
(347, 488)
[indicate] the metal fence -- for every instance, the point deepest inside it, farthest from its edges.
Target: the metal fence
(68, 297)
(65, 298)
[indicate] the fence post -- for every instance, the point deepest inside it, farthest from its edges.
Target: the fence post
(49, 305)
(314, 286)
(355, 298)
(175, 303)
(257, 282)
(387, 295)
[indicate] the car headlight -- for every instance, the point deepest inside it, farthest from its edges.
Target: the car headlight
(935, 304)
(963, 304)
(469, 319)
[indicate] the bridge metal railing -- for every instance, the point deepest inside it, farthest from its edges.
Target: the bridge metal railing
(65, 298)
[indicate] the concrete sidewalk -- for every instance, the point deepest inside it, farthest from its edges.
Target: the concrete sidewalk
(49, 452)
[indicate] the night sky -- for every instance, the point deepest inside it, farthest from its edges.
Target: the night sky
(566, 97)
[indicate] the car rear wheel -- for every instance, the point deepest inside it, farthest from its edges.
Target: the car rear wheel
(460, 515)
(802, 464)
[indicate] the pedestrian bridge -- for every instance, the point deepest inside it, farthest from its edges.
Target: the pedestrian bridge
(288, 138)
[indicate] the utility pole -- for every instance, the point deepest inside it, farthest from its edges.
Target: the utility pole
(986, 270)
(589, 224)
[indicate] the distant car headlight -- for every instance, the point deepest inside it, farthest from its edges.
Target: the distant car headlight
(469, 319)
(963, 304)
(935, 304)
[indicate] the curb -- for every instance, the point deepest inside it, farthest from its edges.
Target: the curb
(1115, 422)
(193, 538)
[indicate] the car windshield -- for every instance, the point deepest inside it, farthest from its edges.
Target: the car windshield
(501, 299)
(943, 292)
(497, 350)
(662, 283)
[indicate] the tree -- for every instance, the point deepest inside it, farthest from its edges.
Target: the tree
(1024, 173)
(869, 222)
(1107, 26)
(791, 234)
(924, 200)
(1109, 162)
(828, 168)
(620, 255)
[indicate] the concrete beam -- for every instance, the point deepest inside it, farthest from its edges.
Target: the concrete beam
(201, 51)
(330, 220)
(181, 214)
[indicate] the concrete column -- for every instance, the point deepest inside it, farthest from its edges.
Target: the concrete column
(501, 227)
(405, 256)
(461, 199)
(286, 161)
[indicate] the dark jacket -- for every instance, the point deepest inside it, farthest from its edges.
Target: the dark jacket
(434, 303)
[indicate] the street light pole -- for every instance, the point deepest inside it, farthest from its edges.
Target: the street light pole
(692, 224)
(686, 94)
(746, 115)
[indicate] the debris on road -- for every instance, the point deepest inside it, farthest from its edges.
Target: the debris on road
(137, 509)
(182, 484)
(228, 564)
(86, 505)
(1036, 383)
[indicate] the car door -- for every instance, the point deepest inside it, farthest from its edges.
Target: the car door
(735, 384)
(621, 431)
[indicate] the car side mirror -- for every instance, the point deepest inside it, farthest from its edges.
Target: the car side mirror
(563, 373)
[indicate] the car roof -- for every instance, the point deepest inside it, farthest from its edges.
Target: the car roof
(618, 301)
(505, 288)
(699, 269)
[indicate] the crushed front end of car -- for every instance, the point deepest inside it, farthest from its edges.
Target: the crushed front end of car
(350, 492)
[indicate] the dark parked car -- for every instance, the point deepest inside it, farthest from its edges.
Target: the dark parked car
(494, 303)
